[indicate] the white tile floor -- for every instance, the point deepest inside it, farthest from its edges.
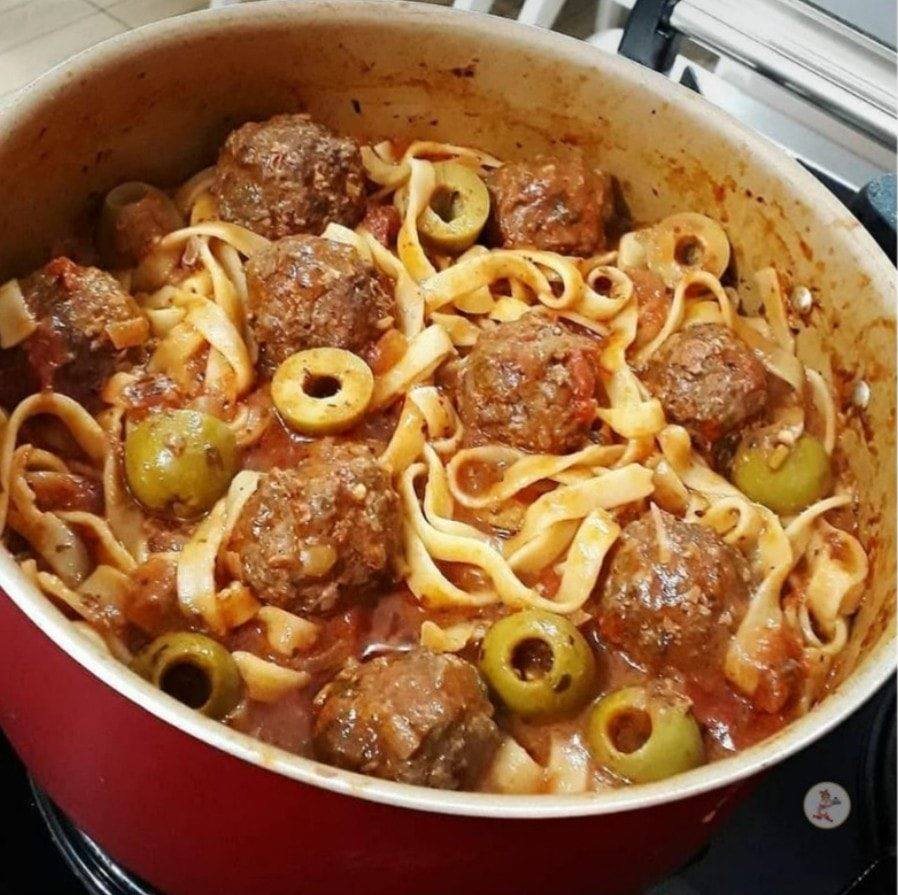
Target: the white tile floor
(37, 34)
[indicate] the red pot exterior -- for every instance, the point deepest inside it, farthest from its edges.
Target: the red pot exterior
(192, 820)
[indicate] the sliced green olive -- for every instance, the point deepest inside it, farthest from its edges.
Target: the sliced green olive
(643, 737)
(786, 480)
(195, 670)
(538, 663)
(458, 208)
(322, 390)
(180, 462)
(134, 216)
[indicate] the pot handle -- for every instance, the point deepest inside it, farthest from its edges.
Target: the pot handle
(874, 207)
(648, 38)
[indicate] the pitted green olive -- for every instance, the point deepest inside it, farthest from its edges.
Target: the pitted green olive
(322, 390)
(195, 670)
(538, 663)
(643, 737)
(458, 208)
(783, 479)
(180, 462)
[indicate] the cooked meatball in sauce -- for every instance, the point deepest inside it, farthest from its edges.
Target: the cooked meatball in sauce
(445, 737)
(708, 380)
(323, 533)
(432, 504)
(553, 204)
(82, 315)
(530, 384)
(309, 292)
(674, 594)
(289, 175)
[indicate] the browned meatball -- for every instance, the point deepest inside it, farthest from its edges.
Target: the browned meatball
(309, 292)
(558, 205)
(708, 380)
(324, 532)
(674, 594)
(415, 717)
(85, 321)
(531, 384)
(289, 175)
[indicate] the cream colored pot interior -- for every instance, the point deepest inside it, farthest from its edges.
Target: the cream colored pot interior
(155, 105)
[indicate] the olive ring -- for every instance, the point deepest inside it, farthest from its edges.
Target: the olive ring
(458, 208)
(194, 669)
(322, 390)
(538, 663)
(643, 737)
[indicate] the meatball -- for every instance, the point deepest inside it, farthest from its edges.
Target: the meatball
(531, 384)
(558, 205)
(708, 380)
(416, 717)
(309, 292)
(289, 175)
(322, 533)
(674, 594)
(83, 318)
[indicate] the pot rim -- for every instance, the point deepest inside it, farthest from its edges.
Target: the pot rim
(874, 669)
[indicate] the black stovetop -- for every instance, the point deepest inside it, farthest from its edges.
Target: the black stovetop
(769, 847)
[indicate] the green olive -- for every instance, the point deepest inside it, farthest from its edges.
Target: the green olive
(195, 670)
(180, 462)
(784, 480)
(134, 217)
(458, 208)
(643, 737)
(538, 663)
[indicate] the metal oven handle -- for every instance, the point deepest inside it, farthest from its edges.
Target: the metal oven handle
(815, 55)
(654, 30)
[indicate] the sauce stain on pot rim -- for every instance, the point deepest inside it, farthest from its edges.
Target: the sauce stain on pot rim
(876, 668)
